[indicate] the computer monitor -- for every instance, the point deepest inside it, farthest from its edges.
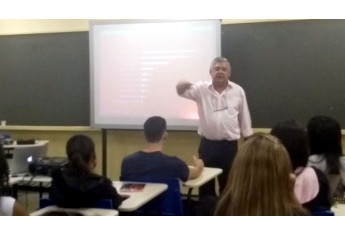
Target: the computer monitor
(23, 155)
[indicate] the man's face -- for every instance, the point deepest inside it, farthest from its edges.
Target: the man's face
(220, 73)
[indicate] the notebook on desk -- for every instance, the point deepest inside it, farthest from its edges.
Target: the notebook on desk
(132, 187)
(22, 156)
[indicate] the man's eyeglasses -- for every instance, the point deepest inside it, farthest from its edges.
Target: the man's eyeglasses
(219, 104)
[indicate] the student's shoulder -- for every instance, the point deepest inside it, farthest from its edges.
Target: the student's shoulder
(135, 154)
(6, 205)
(57, 175)
(7, 200)
(176, 159)
(342, 159)
(315, 158)
(100, 179)
(236, 87)
(132, 156)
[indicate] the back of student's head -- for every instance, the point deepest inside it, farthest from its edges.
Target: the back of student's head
(154, 128)
(80, 150)
(259, 181)
(295, 139)
(324, 134)
(4, 172)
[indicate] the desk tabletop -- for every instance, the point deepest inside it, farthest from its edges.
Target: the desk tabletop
(339, 209)
(14, 180)
(135, 200)
(207, 174)
(83, 211)
(14, 145)
(29, 178)
(138, 199)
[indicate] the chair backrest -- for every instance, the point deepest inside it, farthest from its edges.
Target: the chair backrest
(323, 213)
(101, 204)
(104, 204)
(45, 202)
(169, 203)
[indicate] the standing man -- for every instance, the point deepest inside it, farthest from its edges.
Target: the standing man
(224, 118)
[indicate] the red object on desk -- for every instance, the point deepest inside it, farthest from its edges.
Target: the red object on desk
(132, 187)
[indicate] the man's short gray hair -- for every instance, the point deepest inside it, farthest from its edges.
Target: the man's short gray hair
(221, 60)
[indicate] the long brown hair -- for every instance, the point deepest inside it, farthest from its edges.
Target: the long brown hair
(259, 182)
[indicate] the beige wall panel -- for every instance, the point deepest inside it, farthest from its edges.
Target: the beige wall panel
(12, 27)
(38, 26)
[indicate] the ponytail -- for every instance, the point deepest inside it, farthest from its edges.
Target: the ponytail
(78, 165)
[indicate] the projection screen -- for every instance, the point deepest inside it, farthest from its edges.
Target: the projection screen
(135, 67)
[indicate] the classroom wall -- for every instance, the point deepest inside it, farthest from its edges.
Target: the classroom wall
(120, 142)
(30, 26)
(13, 27)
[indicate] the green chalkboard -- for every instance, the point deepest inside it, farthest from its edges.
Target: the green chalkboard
(44, 79)
(291, 69)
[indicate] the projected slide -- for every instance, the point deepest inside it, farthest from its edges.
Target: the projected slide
(135, 68)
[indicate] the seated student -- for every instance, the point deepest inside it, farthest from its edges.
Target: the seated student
(326, 150)
(151, 162)
(8, 205)
(260, 182)
(75, 186)
(311, 185)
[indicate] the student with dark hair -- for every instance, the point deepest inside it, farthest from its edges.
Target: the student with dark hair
(151, 162)
(76, 186)
(326, 151)
(8, 205)
(260, 182)
(311, 185)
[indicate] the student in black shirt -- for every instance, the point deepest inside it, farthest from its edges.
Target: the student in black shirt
(76, 186)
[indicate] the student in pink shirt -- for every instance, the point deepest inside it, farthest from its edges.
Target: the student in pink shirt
(311, 186)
